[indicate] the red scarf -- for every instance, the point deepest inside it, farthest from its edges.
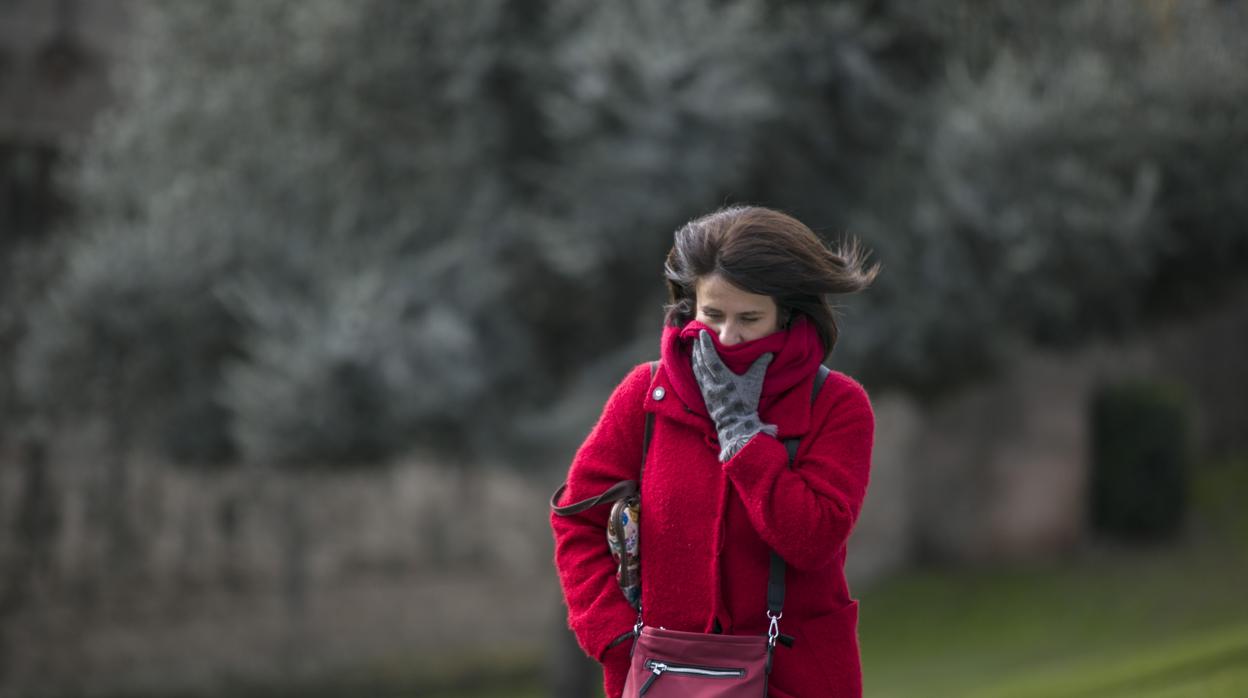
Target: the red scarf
(797, 351)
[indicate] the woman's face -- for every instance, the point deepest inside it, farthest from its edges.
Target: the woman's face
(735, 314)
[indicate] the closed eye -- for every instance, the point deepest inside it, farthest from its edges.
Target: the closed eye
(745, 318)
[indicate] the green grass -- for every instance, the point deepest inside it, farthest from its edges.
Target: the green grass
(1136, 626)
(1161, 622)
(1189, 665)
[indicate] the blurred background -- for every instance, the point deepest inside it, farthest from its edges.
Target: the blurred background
(305, 306)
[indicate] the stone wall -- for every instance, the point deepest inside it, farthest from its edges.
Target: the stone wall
(999, 470)
(168, 579)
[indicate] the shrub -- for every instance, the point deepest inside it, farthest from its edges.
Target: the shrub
(1140, 463)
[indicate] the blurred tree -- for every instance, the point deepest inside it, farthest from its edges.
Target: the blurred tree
(298, 203)
(1076, 177)
(324, 232)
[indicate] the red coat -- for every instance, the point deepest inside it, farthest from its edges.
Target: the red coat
(707, 528)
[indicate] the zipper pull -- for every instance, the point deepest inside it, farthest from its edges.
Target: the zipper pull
(658, 668)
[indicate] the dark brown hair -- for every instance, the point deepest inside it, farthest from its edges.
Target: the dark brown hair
(767, 252)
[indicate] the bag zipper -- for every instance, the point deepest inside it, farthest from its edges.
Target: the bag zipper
(659, 668)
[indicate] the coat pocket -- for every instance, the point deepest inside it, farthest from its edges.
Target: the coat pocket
(828, 645)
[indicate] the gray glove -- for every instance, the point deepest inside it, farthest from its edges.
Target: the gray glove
(731, 400)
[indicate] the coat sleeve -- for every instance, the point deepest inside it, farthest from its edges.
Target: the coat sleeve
(598, 614)
(806, 512)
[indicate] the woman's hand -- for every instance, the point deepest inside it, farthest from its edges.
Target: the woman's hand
(731, 400)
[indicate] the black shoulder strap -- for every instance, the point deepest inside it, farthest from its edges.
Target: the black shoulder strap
(820, 378)
(645, 437)
(775, 582)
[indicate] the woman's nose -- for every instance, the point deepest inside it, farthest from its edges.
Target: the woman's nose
(729, 336)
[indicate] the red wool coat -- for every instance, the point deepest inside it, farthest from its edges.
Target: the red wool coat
(707, 528)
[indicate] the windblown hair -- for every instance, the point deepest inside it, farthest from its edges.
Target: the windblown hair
(767, 252)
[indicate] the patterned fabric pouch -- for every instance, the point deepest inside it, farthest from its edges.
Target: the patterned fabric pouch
(622, 529)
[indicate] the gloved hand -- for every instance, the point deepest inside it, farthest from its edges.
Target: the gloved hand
(731, 400)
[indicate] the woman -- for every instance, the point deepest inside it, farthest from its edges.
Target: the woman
(748, 292)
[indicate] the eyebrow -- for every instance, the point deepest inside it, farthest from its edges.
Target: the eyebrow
(713, 309)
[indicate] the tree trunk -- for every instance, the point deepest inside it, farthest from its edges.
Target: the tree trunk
(36, 525)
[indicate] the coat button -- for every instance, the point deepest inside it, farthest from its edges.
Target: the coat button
(659, 393)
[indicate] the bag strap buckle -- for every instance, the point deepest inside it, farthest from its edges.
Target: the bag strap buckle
(773, 629)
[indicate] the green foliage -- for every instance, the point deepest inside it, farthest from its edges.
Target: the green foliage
(324, 231)
(345, 229)
(231, 262)
(1140, 482)
(126, 333)
(1056, 186)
